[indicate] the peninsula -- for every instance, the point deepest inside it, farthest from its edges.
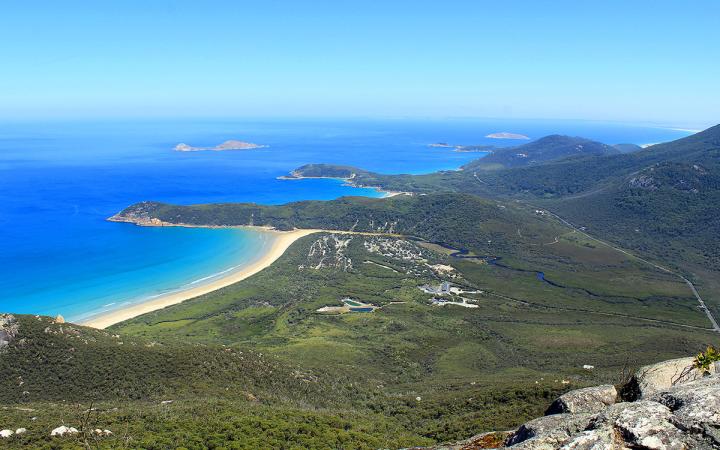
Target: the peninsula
(352, 176)
(227, 145)
(506, 135)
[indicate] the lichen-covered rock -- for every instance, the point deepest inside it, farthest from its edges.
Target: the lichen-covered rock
(680, 410)
(643, 424)
(8, 329)
(489, 440)
(661, 376)
(695, 407)
(587, 400)
(548, 431)
(539, 443)
(598, 439)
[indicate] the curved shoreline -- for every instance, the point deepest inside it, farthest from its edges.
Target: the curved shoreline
(281, 240)
(348, 182)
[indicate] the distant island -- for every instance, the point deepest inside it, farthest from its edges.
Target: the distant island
(463, 148)
(441, 145)
(505, 135)
(227, 145)
(475, 148)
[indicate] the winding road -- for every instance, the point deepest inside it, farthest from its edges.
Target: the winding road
(714, 323)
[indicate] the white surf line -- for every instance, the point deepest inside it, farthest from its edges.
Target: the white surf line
(714, 323)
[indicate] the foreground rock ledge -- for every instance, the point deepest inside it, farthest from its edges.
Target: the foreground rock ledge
(669, 405)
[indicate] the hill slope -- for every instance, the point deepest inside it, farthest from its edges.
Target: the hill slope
(161, 395)
(667, 191)
(543, 150)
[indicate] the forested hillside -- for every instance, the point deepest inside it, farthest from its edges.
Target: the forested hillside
(543, 150)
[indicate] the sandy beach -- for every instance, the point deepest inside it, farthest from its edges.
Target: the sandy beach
(281, 240)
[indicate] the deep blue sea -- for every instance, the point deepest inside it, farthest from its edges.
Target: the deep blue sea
(59, 181)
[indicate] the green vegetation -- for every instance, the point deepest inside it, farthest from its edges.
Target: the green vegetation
(628, 148)
(662, 202)
(473, 369)
(460, 220)
(549, 148)
(705, 359)
(254, 364)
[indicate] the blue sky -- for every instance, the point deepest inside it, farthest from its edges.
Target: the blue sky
(642, 61)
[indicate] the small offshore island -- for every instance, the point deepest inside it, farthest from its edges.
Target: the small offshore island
(506, 135)
(464, 148)
(441, 145)
(227, 145)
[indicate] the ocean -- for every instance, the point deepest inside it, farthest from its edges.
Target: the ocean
(60, 180)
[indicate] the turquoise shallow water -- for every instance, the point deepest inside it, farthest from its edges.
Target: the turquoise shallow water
(59, 181)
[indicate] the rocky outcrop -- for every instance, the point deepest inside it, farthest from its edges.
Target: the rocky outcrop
(142, 214)
(657, 377)
(63, 431)
(678, 407)
(549, 431)
(695, 406)
(8, 330)
(642, 424)
(491, 439)
(588, 400)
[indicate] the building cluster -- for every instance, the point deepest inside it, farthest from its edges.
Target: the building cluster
(443, 288)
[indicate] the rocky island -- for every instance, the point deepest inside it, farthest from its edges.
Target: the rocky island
(463, 148)
(474, 148)
(506, 135)
(227, 145)
(440, 145)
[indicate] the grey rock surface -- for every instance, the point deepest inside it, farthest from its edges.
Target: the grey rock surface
(664, 375)
(587, 400)
(549, 430)
(685, 415)
(695, 407)
(679, 410)
(643, 424)
(8, 329)
(598, 439)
